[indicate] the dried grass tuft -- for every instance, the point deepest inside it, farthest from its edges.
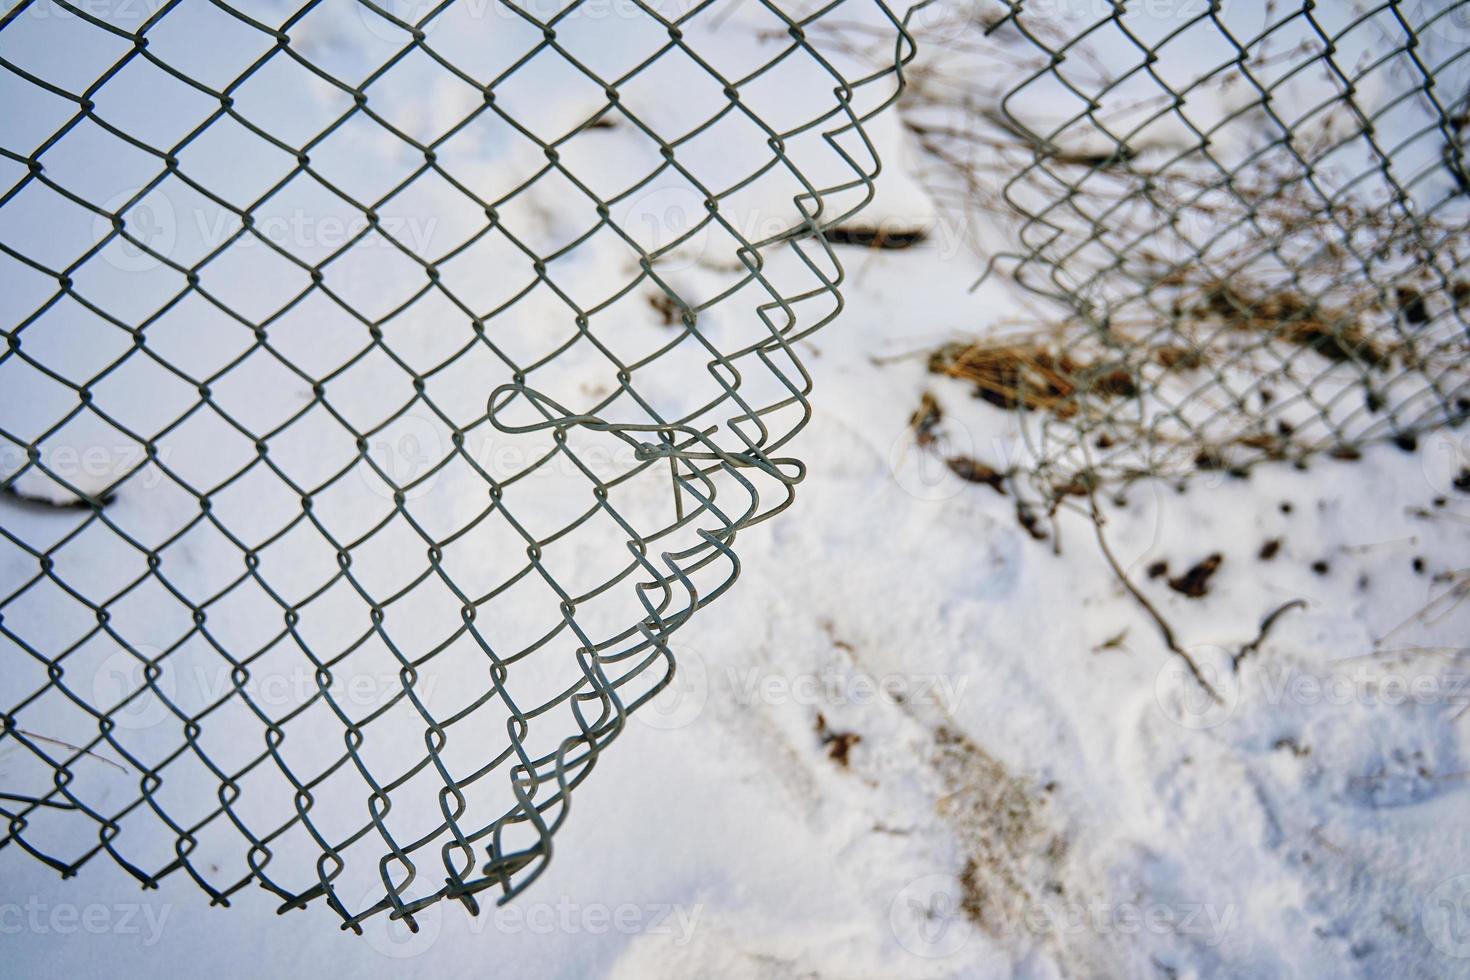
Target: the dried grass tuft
(1336, 334)
(1029, 374)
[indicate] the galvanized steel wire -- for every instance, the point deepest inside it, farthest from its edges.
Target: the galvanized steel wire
(478, 774)
(1246, 224)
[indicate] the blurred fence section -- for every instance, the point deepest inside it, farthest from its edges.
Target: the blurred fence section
(1242, 226)
(383, 384)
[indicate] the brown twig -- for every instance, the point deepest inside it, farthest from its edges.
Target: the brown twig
(1266, 625)
(1165, 629)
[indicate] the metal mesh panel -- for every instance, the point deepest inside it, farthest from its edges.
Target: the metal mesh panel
(372, 417)
(1246, 223)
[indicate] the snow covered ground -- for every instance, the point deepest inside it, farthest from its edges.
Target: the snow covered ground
(1040, 802)
(915, 742)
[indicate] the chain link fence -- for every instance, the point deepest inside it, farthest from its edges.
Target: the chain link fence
(382, 386)
(1241, 227)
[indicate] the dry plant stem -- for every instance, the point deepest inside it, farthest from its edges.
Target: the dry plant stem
(1165, 629)
(75, 748)
(1266, 625)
